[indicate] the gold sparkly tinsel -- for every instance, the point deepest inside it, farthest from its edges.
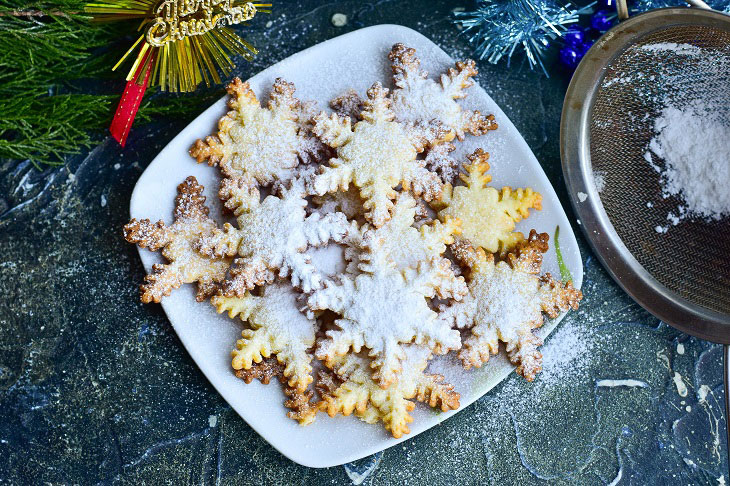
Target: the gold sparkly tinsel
(182, 42)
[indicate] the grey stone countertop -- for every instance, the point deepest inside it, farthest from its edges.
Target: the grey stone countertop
(95, 387)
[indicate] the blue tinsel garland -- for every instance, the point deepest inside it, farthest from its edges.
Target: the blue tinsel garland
(497, 28)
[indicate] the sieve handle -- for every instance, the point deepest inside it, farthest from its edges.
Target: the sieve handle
(623, 10)
(726, 369)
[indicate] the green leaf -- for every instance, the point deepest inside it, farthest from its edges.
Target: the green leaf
(565, 275)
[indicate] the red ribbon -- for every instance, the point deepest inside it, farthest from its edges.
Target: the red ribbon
(128, 107)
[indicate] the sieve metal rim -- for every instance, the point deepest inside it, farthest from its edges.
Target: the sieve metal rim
(577, 168)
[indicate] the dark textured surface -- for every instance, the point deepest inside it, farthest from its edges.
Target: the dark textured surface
(95, 387)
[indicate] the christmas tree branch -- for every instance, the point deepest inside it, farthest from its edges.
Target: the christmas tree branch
(51, 101)
(34, 13)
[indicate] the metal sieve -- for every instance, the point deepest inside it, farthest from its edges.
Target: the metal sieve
(682, 276)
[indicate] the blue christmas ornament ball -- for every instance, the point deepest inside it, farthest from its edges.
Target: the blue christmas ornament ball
(601, 21)
(569, 57)
(574, 36)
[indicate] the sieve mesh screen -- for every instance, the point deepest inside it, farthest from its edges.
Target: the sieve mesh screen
(692, 259)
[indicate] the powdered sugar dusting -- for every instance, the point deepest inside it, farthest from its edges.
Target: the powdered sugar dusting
(599, 180)
(681, 49)
(566, 353)
(694, 145)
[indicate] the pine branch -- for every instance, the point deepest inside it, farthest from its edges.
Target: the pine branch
(48, 52)
(65, 6)
(82, 120)
(34, 13)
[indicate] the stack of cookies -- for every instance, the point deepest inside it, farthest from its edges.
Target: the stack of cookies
(433, 264)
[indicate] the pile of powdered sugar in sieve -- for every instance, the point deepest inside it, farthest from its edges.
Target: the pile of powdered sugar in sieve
(694, 149)
(691, 146)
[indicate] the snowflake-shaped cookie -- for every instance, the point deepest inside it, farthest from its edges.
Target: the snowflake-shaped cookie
(505, 303)
(382, 308)
(301, 406)
(277, 327)
(405, 244)
(430, 107)
(376, 155)
(488, 216)
(352, 389)
(272, 235)
(265, 144)
(177, 242)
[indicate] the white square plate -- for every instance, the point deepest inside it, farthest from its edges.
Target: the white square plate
(355, 60)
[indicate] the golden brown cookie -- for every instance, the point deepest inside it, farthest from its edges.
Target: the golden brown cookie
(272, 237)
(264, 144)
(350, 388)
(375, 155)
(488, 216)
(383, 308)
(430, 107)
(177, 242)
(505, 303)
(276, 328)
(301, 405)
